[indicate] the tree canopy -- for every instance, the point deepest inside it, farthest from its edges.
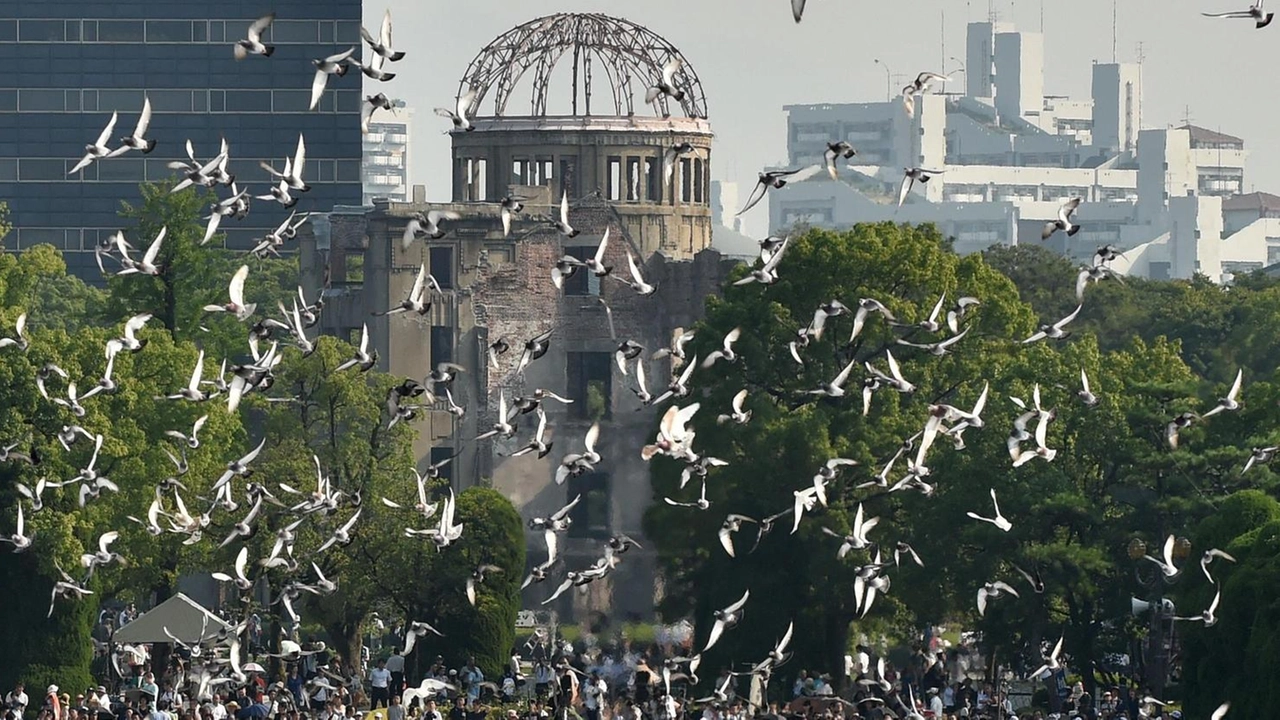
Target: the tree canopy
(315, 425)
(1114, 477)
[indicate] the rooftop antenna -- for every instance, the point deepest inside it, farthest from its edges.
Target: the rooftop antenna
(1186, 115)
(1240, 189)
(1114, 5)
(1041, 17)
(1141, 56)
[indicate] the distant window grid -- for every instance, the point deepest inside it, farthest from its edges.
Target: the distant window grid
(168, 100)
(633, 179)
(138, 169)
(569, 176)
(218, 32)
(613, 189)
(1273, 254)
(392, 128)
(530, 172)
(699, 181)
(82, 240)
(352, 273)
(472, 176)
(383, 160)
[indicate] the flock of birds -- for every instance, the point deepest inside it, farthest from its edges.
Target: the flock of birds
(217, 651)
(676, 439)
(168, 513)
(173, 509)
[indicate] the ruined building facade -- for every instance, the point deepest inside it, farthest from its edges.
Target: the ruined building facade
(497, 286)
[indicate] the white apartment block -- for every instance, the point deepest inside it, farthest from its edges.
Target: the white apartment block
(385, 165)
(1011, 154)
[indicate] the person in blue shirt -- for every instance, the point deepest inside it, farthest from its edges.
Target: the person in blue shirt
(471, 677)
(294, 684)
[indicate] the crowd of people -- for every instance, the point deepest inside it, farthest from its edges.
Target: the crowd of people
(549, 679)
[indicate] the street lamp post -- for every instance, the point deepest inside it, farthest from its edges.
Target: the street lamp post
(1159, 637)
(888, 80)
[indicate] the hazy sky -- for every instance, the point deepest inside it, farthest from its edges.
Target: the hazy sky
(1221, 71)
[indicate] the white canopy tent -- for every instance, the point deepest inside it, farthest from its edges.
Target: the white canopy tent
(184, 618)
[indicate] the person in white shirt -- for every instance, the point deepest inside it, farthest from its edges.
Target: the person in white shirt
(430, 712)
(593, 693)
(395, 666)
(862, 660)
(320, 699)
(935, 703)
(17, 699)
(379, 685)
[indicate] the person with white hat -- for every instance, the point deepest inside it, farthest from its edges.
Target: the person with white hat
(935, 702)
(53, 702)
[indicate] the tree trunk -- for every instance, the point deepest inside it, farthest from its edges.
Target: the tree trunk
(275, 631)
(1090, 650)
(160, 592)
(837, 644)
(170, 305)
(344, 631)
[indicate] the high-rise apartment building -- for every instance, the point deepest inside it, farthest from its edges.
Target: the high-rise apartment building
(385, 167)
(72, 63)
(1019, 78)
(1117, 106)
(1012, 154)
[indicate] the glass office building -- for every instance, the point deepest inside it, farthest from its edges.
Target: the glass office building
(71, 63)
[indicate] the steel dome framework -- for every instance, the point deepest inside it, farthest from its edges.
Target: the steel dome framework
(630, 56)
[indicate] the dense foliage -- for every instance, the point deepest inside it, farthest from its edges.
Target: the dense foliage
(493, 535)
(1151, 350)
(312, 414)
(1232, 658)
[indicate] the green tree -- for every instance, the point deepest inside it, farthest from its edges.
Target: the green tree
(1038, 273)
(60, 651)
(1231, 658)
(493, 534)
(334, 418)
(1114, 477)
(191, 275)
(132, 421)
(792, 434)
